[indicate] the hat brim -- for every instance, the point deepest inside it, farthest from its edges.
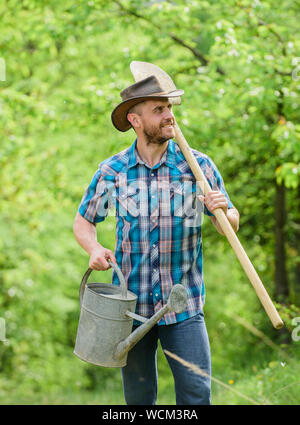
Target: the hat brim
(119, 114)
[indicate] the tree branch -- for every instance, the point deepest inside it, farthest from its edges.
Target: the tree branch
(195, 52)
(278, 36)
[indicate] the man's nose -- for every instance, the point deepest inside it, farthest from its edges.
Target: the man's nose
(168, 115)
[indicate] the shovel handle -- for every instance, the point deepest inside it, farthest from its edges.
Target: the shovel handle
(230, 234)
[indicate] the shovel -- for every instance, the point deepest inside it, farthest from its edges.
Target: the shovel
(141, 70)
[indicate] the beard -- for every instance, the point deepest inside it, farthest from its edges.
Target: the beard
(154, 134)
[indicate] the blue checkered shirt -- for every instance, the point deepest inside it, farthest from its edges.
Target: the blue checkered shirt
(158, 224)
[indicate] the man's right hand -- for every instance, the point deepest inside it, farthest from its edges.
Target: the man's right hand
(99, 256)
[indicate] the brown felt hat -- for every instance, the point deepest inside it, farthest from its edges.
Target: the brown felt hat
(146, 89)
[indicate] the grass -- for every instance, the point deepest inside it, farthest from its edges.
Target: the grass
(276, 383)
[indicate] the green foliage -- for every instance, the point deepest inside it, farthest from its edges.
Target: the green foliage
(66, 63)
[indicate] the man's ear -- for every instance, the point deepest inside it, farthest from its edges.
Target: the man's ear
(134, 120)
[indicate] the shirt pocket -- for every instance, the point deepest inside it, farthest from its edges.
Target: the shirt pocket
(184, 198)
(129, 204)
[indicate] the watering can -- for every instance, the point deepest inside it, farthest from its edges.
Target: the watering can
(104, 334)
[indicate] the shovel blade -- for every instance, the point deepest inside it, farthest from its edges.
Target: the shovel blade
(141, 70)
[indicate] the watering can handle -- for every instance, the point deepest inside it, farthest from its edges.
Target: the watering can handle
(123, 285)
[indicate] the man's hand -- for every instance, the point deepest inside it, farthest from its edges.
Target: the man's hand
(215, 199)
(99, 256)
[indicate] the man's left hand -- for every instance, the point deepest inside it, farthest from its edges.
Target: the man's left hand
(215, 199)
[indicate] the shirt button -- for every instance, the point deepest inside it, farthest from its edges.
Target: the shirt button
(150, 293)
(156, 295)
(152, 174)
(154, 245)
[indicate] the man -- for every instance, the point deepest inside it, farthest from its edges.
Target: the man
(158, 238)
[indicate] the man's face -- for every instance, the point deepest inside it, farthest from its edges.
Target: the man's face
(157, 121)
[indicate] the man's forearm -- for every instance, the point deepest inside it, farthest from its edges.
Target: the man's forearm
(233, 218)
(85, 233)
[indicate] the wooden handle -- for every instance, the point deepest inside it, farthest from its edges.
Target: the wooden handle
(230, 234)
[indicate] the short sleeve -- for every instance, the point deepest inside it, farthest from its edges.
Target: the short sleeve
(94, 204)
(215, 181)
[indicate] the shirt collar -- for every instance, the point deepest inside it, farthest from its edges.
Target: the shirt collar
(168, 157)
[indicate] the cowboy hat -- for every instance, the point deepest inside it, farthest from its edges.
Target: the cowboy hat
(146, 89)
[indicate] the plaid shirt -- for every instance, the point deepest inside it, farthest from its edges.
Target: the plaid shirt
(158, 224)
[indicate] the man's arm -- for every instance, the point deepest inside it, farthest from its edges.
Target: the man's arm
(86, 235)
(233, 218)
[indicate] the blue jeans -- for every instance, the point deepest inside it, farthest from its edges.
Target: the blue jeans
(189, 340)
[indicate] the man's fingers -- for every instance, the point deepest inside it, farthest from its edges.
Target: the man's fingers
(216, 196)
(99, 258)
(112, 257)
(214, 200)
(109, 255)
(99, 263)
(217, 204)
(212, 196)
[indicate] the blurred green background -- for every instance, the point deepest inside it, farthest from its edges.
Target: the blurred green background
(63, 65)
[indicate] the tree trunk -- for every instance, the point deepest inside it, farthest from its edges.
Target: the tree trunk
(281, 279)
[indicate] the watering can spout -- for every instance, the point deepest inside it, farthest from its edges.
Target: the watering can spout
(176, 302)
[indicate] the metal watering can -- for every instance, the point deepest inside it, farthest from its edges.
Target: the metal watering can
(106, 317)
